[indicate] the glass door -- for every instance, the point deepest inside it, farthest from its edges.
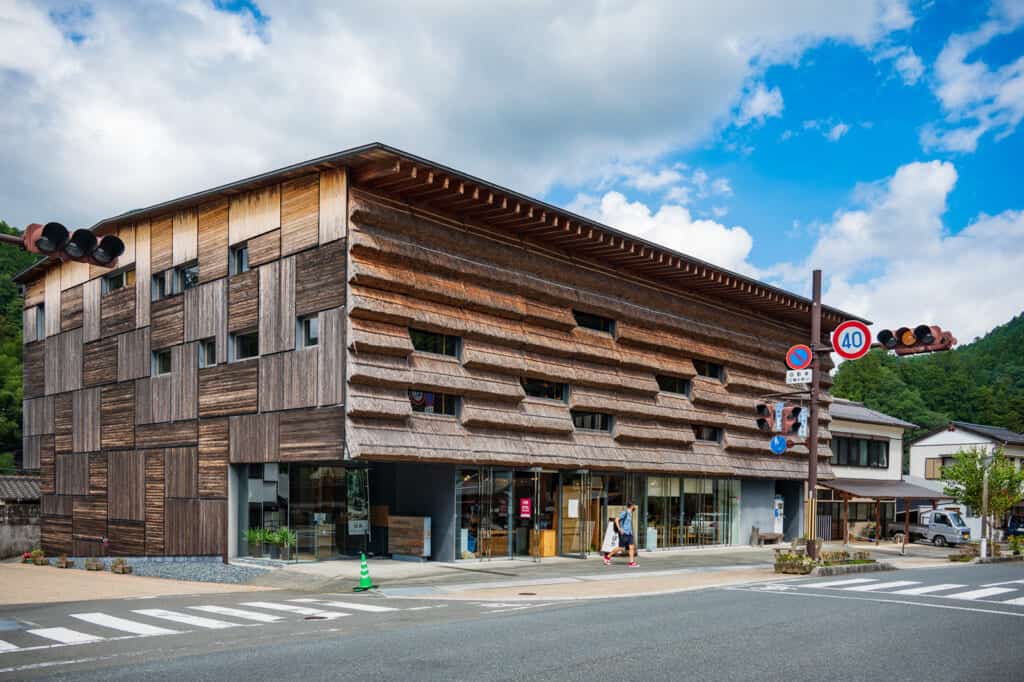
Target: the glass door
(575, 500)
(495, 514)
(525, 514)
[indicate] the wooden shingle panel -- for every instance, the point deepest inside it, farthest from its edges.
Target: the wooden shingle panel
(92, 312)
(181, 472)
(300, 214)
(300, 377)
(167, 325)
(85, 426)
(254, 213)
(213, 457)
(133, 359)
(72, 274)
(33, 377)
(127, 539)
(265, 248)
(127, 493)
(55, 535)
(90, 517)
(184, 237)
(30, 451)
(206, 315)
(254, 438)
(312, 434)
(165, 435)
(195, 527)
(229, 389)
(98, 473)
(161, 244)
(38, 416)
(47, 466)
(117, 414)
(244, 302)
(331, 371)
(333, 204)
(271, 392)
(320, 278)
(154, 501)
(213, 240)
(52, 298)
(277, 316)
(117, 311)
(28, 324)
(56, 505)
(143, 274)
(71, 308)
(72, 474)
(62, 369)
(100, 361)
(171, 396)
(62, 423)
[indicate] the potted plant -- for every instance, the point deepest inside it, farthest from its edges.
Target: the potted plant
(39, 558)
(254, 538)
(270, 540)
(120, 566)
(1015, 545)
(26, 558)
(64, 562)
(93, 564)
(286, 539)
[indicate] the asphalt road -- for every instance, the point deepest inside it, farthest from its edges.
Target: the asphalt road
(950, 623)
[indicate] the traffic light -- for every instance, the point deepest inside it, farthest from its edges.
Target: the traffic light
(53, 239)
(921, 339)
(791, 419)
(764, 417)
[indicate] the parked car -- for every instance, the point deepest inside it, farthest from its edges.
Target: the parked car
(1015, 526)
(937, 526)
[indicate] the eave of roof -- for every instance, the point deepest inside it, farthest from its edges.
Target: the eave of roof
(882, 489)
(861, 413)
(376, 159)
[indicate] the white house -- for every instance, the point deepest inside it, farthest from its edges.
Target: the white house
(935, 450)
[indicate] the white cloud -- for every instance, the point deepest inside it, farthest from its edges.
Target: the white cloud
(837, 131)
(719, 211)
(978, 98)
(894, 261)
(679, 195)
(759, 104)
(722, 187)
(647, 181)
(906, 62)
(161, 98)
(674, 226)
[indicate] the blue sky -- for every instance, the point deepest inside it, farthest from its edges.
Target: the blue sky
(876, 139)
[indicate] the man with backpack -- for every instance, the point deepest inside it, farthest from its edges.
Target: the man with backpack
(624, 526)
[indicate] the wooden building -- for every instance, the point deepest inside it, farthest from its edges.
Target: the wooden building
(371, 336)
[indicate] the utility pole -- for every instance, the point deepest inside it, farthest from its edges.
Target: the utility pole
(812, 436)
(984, 513)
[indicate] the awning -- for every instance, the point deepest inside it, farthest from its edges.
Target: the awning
(866, 487)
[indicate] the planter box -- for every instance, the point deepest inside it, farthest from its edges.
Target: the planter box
(124, 569)
(93, 565)
(41, 561)
(851, 568)
(67, 563)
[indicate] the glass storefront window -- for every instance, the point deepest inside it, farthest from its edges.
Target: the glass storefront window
(467, 504)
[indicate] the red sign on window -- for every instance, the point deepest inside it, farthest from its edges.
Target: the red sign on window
(525, 507)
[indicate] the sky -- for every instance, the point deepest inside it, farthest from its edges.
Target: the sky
(878, 141)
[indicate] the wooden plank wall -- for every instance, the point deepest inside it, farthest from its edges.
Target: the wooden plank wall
(144, 460)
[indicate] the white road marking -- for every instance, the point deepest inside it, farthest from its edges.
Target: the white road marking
(881, 586)
(123, 624)
(291, 608)
(1014, 602)
(65, 635)
(197, 621)
(1007, 582)
(518, 608)
(7, 646)
(879, 600)
(980, 594)
(840, 583)
(238, 613)
(352, 606)
(928, 589)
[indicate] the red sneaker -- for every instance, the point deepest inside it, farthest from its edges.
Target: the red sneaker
(633, 564)
(607, 561)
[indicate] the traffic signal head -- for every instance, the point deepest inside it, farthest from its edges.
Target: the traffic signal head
(920, 339)
(54, 240)
(791, 419)
(764, 417)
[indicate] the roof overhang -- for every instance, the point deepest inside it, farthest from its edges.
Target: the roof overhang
(883, 490)
(421, 182)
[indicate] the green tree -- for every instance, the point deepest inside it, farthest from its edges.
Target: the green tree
(12, 261)
(964, 481)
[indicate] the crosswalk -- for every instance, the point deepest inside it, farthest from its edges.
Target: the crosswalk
(90, 627)
(993, 593)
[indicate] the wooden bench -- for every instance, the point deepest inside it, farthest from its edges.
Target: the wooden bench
(768, 538)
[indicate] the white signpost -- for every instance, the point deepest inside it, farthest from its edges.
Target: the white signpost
(798, 376)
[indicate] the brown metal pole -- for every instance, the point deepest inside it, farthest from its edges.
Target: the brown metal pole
(812, 439)
(878, 521)
(846, 519)
(906, 523)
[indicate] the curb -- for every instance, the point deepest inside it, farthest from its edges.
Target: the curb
(821, 571)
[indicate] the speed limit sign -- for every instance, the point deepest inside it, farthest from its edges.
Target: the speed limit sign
(851, 340)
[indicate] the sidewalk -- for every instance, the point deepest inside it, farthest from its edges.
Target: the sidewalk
(28, 584)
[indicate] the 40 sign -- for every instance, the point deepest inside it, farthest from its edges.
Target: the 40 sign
(851, 340)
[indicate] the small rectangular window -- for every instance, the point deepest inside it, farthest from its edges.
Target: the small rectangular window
(709, 369)
(244, 346)
(308, 331)
(207, 353)
(40, 322)
(432, 342)
(240, 259)
(592, 421)
(429, 402)
(711, 434)
(118, 280)
(538, 388)
(158, 288)
(186, 277)
(161, 362)
(596, 322)
(674, 385)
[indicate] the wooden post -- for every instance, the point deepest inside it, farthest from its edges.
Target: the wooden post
(906, 523)
(846, 518)
(878, 521)
(812, 439)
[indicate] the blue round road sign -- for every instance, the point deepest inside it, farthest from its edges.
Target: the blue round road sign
(799, 357)
(777, 445)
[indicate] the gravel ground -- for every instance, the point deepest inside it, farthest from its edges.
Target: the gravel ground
(197, 570)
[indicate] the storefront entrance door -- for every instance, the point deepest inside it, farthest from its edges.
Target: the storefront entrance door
(576, 525)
